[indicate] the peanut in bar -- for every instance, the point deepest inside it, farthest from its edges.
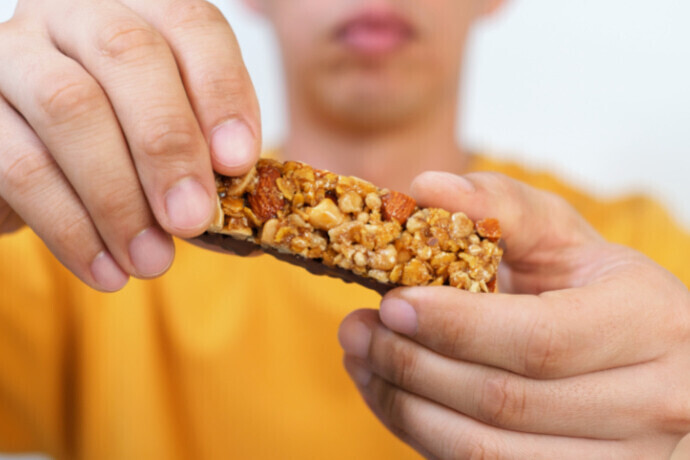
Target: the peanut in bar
(347, 227)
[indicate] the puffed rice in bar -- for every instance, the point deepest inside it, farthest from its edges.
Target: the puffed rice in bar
(347, 227)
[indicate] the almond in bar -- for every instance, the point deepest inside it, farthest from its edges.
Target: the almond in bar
(346, 227)
(397, 206)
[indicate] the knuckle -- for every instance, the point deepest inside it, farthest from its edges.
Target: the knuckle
(70, 97)
(477, 449)
(127, 38)
(501, 402)
(196, 13)
(545, 350)
(455, 336)
(392, 404)
(25, 171)
(221, 87)
(69, 234)
(119, 204)
(170, 137)
(404, 364)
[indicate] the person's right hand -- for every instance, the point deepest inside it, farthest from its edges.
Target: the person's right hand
(112, 116)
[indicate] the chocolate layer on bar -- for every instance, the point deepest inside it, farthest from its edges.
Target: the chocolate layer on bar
(346, 227)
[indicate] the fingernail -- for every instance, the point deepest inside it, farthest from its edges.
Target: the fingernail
(151, 252)
(108, 273)
(188, 205)
(398, 316)
(355, 337)
(360, 374)
(233, 143)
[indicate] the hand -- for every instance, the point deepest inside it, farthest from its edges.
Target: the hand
(590, 360)
(112, 116)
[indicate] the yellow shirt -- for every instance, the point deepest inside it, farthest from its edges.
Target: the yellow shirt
(222, 357)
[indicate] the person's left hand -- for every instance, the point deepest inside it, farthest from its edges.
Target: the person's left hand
(587, 357)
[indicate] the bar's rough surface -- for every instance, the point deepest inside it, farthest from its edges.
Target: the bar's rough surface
(354, 230)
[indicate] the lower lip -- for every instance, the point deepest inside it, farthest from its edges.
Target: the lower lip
(374, 39)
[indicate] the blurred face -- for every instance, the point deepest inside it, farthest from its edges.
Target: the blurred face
(369, 64)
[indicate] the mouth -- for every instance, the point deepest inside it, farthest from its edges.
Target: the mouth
(375, 33)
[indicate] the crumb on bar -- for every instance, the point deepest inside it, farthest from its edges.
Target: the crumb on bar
(350, 223)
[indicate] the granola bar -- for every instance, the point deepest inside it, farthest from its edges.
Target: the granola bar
(347, 227)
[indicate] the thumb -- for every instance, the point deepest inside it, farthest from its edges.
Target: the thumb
(535, 224)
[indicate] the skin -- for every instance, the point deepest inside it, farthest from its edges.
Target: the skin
(106, 107)
(359, 115)
(112, 116)
(583, 355)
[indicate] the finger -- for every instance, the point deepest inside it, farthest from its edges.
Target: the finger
(67, 108)
(357, 370)
(134, 65)
(587, 406)
(447, 434)
(9, 220)
(555, 335)
(539, 228)
(213, 72)
(32, 186)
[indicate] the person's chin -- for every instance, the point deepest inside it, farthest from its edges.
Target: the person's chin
(372, 114)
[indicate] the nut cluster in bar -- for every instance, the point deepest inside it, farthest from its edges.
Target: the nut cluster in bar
(349, 223)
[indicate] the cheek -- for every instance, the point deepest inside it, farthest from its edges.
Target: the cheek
(444, 26)
(451, 19)
(446, 45)
(452, 24)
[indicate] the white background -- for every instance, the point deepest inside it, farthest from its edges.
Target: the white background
(595, 90)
